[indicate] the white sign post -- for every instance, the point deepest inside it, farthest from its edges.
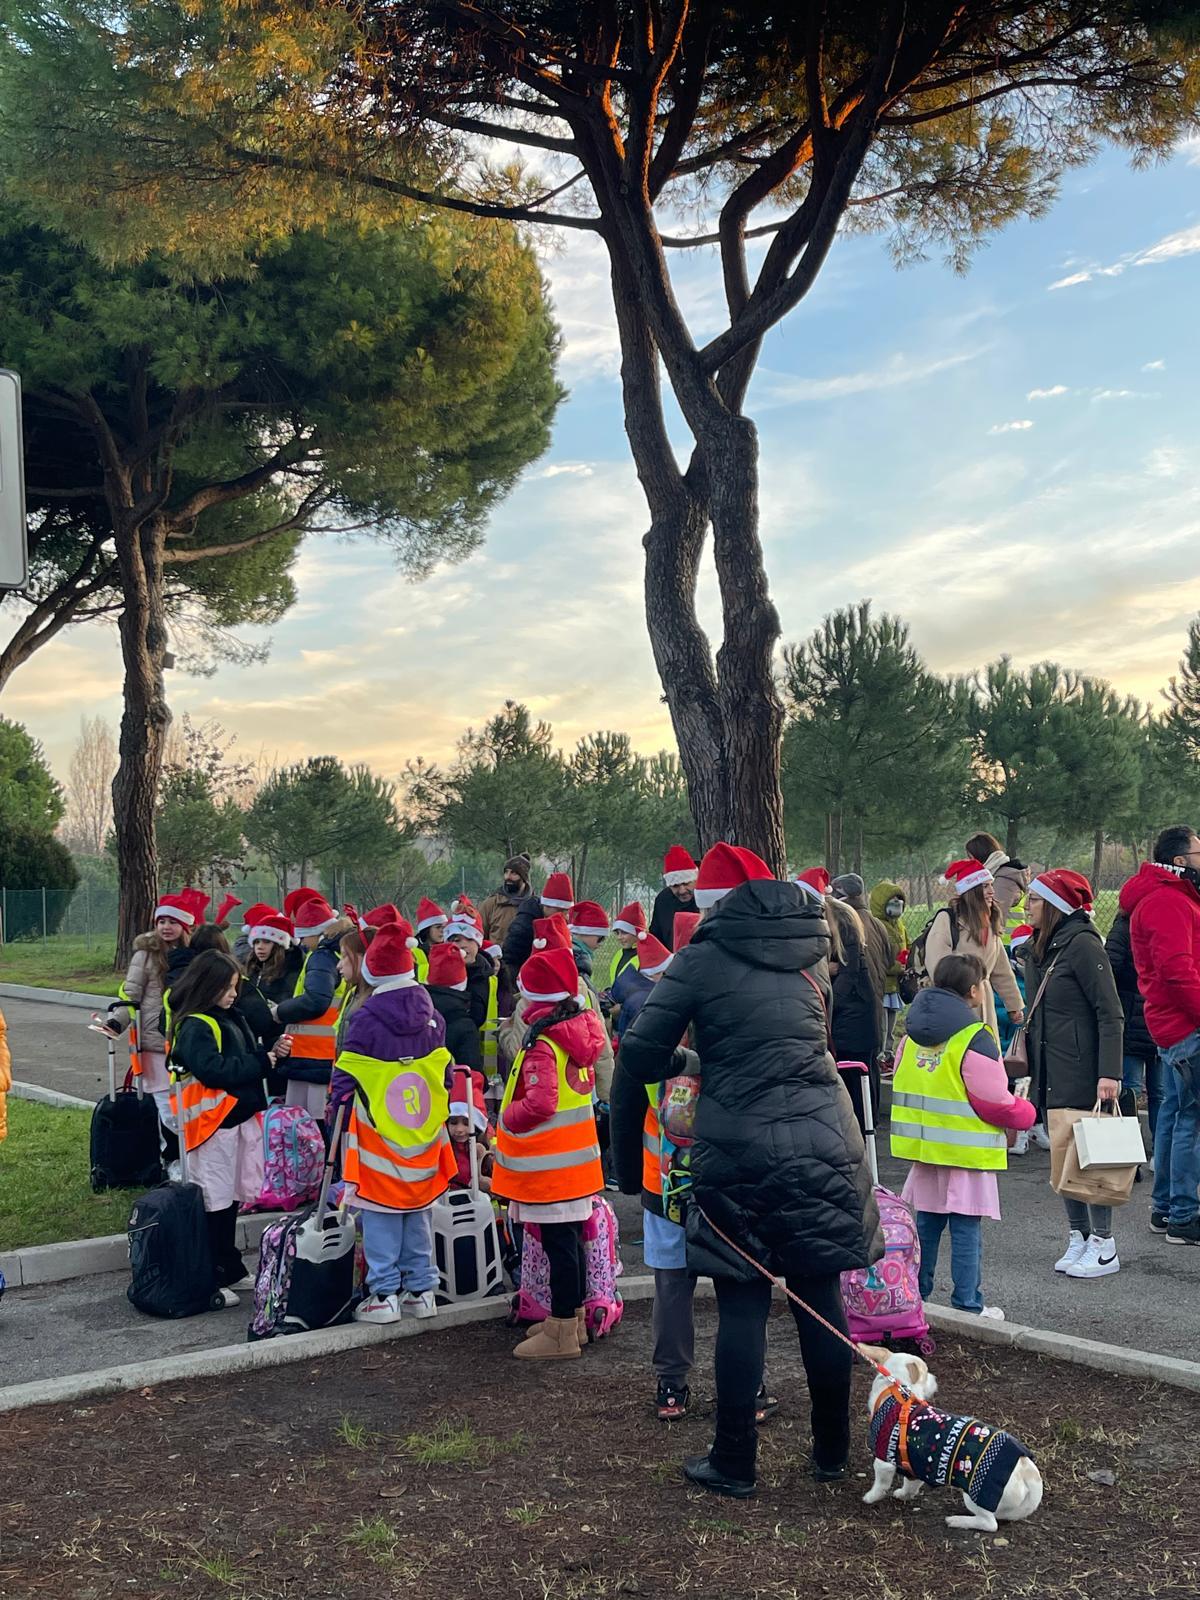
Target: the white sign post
(14, 543)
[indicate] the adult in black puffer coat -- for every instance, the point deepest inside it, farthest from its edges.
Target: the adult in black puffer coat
(778, 1164)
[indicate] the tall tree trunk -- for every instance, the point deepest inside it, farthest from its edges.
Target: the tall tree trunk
(1012, 836)
(834, 862)
(1097, 857)
(144, 723)
(858, 851)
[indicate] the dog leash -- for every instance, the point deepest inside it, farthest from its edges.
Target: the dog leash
(882, 1371)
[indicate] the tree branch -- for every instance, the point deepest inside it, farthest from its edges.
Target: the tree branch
(497, 130)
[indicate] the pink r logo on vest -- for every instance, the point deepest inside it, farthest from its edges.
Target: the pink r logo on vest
(408, 1100)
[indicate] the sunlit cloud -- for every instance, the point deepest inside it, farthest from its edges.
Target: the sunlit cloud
(1020, 426)
(1048, 394)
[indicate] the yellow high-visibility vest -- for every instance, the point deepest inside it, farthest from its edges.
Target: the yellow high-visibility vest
(932, 1117)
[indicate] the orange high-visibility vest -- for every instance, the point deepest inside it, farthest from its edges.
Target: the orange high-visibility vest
(315, 1040)
(199, 1110)
(652, 1149)
(560, 1158)
(402, 1179)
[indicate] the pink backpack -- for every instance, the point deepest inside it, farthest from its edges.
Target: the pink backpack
(883, 1301)
(602, 1303)
(293, 1157)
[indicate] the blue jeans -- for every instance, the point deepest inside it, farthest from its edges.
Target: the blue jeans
(966, 1256)
(398, 1246)
(1176, 1158)
(1137, 1074)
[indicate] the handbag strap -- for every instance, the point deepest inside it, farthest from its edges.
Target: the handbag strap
(1041, 989)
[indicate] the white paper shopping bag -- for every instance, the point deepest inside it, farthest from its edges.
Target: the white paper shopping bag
(1108, 1140)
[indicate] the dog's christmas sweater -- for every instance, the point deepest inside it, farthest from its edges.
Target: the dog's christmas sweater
(944, 1450)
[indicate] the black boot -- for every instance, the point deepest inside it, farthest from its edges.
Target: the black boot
(831, 1439)
(728, 1468)
(222, 1236)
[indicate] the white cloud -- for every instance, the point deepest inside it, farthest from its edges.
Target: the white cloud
(1072, 280)
(1047, 394)
(1154, 366)
(894, 373)
(1012, 427)
(581, 469)
(1117, 394)
(1184, 243)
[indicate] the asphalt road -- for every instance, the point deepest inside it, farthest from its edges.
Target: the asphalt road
(1153, 1303)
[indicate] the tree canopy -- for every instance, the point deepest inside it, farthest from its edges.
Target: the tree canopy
(31, 799)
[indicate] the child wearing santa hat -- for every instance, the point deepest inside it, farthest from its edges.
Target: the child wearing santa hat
(430, 929)
(628, 925)
(467, 1123)
(557, 895)
(310, 1012)
(547, 1153)
(446, 981)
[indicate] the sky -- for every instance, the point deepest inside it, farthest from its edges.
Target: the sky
(1008, 459)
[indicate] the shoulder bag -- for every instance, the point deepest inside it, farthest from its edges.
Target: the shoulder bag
(1016, 1057)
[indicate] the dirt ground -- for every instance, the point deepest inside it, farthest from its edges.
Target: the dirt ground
(438, 1468)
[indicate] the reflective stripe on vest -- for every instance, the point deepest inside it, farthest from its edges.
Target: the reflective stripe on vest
(402, 1180)
(932, 1117)
(490, 1031)
(314, 1039)
(203, 1109)
(560, 1158)
(652, 1149)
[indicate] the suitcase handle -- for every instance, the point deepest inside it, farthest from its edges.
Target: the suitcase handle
(331, 1157)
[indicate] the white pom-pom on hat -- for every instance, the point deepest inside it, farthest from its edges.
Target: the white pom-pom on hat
(539, 944)
(641, 933)
(412, 943)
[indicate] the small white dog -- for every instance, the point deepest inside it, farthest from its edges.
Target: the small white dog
(910, 1438)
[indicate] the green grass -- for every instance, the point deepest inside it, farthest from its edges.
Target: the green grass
(455, 1444)
(45, 1194)
(68, 961)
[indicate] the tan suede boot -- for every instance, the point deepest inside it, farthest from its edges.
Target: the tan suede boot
(581, 1327)
(554, 1340)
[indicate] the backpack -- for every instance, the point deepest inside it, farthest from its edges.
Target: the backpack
(917, 968)
(293, 1156)
(883, 1301)
(677, 1104)
(602, 1303)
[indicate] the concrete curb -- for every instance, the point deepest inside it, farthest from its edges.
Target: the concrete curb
(59, 997)
(48, 1097)
(1099, 1357)
(83, 1258)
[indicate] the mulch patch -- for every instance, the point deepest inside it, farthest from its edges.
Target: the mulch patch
(438, 1468)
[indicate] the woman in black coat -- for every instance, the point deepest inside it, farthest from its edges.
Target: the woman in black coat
(778, 1164)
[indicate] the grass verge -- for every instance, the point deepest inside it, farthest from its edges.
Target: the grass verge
(45, 1192)
(67, 961)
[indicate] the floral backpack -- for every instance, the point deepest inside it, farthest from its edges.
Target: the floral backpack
(293, 1156)
(602, 1304)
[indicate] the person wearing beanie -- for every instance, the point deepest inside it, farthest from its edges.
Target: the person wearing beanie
(556, 895)
(446, 981)
(547, 1155)
(971, 925)
(1074, 1039)
(430, 929)
(887, 904)
(778, 1163)
(629, 925)
(501, 906)
(310, 1011)
(393, 1073)
(679, 881)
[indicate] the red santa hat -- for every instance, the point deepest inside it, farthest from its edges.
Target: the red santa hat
(466, 1096)
(462, 904)
(1067, 891)
(223, 910)
(678, 867)
(274, 929)
(631, 919)
(549, 976)
(551, 933)
(380, 916)
(653, 956)
(311, 916)
(389, 956)
(258, 912)
(370, 929)
(558, 895)
(430, 915)
(965, 875)
(179, 907)
(496, 951)
(196, 901)
(686, 923)
(447, 969)
(814, 881)
(587, 920)
(726, 867)
(1020, 936)
(465, 927)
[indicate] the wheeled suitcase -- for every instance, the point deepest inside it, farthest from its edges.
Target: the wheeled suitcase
(466, 1242)
(305, 1277)
(125, 1149)
(170, 1257)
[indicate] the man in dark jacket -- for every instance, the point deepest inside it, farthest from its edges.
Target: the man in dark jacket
(679, 880)
(1163, 902)
(778, 1165)
(1141, 1067)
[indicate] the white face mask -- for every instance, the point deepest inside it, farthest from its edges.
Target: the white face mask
(894, 907)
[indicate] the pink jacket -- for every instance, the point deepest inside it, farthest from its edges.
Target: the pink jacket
(986, 1083)
(535, 1099)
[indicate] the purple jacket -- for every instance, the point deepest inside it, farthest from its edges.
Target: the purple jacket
(394, 1026)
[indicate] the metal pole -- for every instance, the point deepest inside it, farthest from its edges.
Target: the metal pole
(87, 912)
(43, 913)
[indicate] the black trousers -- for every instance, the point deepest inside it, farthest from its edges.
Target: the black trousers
(743, 1309)
(222, 1240)
(563, 1244)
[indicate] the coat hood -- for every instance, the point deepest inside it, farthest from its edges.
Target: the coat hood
(1150, 877)
(937, 1015)
(767, 924)
(146, 941)
(396, 1024)
(583, 958)
(1070, 928)
(581, 1036)
(881, 894)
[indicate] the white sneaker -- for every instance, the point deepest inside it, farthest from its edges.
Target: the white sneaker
(378, 1308)
(225, 1300)
(1099, 1260)
(422, 1305)
(1039, 1136)
(992, 1313)
(1021, 1146)
(1076, 1245)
